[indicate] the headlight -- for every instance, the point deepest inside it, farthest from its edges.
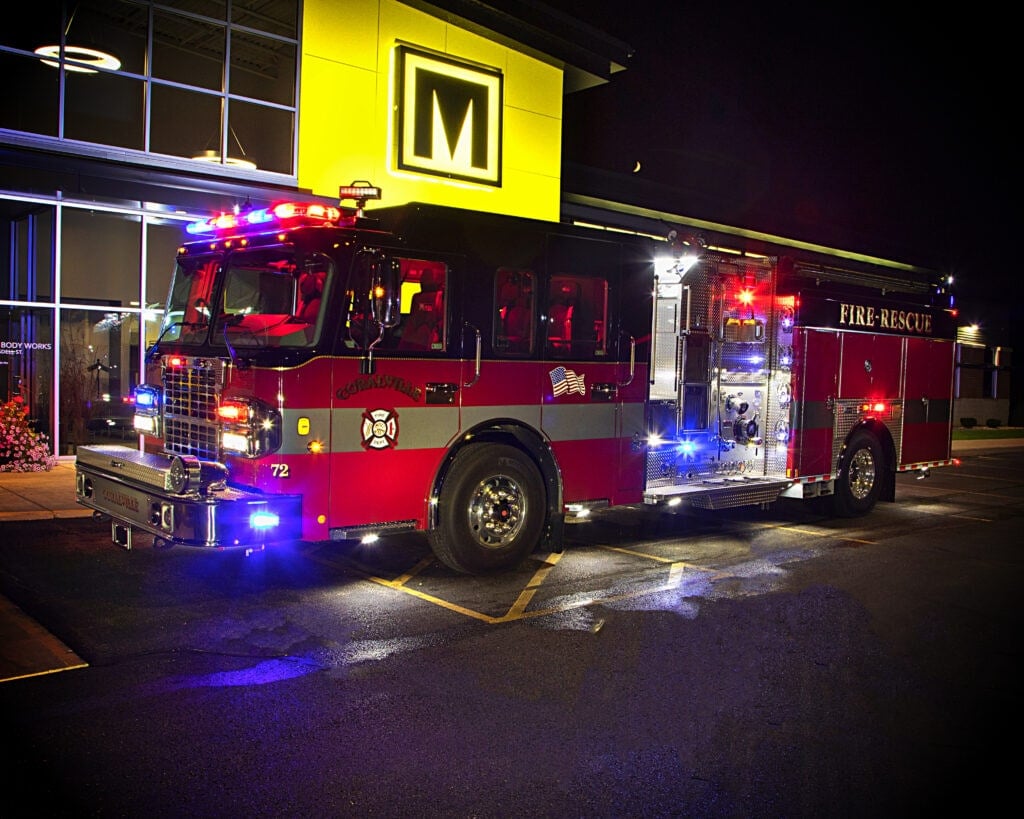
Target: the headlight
(249, 427)
(147, 411)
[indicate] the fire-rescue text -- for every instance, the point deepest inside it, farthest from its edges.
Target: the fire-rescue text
(885, 318)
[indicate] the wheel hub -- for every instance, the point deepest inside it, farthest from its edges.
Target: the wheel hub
(862, 474)
(497, 511)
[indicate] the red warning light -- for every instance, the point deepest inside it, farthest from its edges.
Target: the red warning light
(234, 411)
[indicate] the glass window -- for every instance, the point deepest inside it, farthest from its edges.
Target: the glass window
(27, 245)
(162, 242)
(113, 27)
(26, 363)
(28, 30)
(188, 313)
(188, 51)
(99, 363)
(513, 312)
(273, 299)
(422, 323)
(100, 258)
(262, 68)
(261, 135)
(202, 136)
(208, 8)
(104, 108)
(274, 18)
(577, 317)
(34, 107)
(191, 41)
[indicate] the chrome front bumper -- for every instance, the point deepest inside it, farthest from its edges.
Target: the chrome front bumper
(136, 490)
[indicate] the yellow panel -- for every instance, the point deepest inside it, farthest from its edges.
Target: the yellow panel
(347, 111)
(532, 143)
(334, 144)
(399, 22)
(537, 86)
(476, 49)
(533, 195)
(346, 32)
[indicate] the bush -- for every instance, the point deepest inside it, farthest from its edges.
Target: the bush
(993, 423)
(968, 423)
(22, 449)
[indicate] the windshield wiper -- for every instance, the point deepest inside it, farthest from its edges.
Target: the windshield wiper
(154, 351)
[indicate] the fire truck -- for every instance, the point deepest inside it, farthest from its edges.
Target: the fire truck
(332, 373)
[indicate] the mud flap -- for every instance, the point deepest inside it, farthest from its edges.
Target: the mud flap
(554, 534)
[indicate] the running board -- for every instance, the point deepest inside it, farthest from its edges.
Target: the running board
(720, 493)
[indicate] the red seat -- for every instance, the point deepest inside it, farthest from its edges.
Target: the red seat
(311, 289)
(560, 327)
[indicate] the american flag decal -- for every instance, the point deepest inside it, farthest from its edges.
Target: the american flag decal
(566, 381)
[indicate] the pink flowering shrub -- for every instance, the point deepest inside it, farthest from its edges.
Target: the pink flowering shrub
(22, 449)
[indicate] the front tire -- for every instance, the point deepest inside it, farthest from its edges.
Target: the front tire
(491, 510)
(860, 476)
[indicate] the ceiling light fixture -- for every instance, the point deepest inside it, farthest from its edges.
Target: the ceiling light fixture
(234, 162)
(85, 60)
(231, 161)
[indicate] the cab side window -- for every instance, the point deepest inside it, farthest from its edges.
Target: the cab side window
(577, 317)
(423, 326)
(513, 312)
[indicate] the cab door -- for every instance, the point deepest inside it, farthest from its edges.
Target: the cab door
(397, 390)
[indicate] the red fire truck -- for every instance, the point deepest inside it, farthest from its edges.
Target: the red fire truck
(328, 374)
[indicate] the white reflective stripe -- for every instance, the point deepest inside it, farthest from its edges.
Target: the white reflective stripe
(418, 427)
(529, 415)
(578, 422)
(633, 419)
(434, 427)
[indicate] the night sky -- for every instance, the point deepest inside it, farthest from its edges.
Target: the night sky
(894, 133)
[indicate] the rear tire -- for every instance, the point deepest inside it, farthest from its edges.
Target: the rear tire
(491, 510)
(860, 476)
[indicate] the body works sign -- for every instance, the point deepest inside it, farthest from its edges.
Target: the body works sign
(875, 316)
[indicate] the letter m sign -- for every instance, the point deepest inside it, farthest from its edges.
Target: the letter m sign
(449, 117)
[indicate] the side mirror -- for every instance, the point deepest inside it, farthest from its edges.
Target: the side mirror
(385, 293)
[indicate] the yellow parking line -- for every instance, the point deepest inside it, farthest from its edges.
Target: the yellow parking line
(517, 609)
(401, 580)
(634, 553)
(437, 601)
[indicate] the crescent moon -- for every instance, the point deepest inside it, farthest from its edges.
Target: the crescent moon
(636, 168)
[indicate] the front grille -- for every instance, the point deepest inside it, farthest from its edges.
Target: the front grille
(190, 407)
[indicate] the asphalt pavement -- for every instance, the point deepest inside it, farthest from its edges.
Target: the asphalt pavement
(27, 649)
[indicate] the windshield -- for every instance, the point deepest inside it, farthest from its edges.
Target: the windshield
(264, 297)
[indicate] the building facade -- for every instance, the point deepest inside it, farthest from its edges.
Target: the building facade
(130, 118)
(126, 119)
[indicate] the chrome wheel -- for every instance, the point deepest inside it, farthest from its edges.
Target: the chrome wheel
(859, 475)
(862, 474)
(496, 511)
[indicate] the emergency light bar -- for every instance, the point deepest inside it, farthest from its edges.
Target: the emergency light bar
(360, 191)
(280, 215)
